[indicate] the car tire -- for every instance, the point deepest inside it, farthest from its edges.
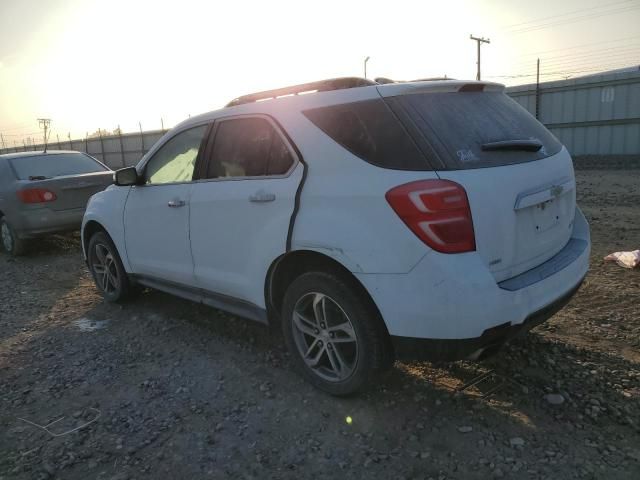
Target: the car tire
(334, 333)
(107, 270)
(11, 243)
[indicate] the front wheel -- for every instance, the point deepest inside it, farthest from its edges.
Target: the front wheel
(107, 269)
(333, 333)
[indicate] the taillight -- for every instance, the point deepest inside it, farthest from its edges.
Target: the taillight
(438, 212)
(36, 195)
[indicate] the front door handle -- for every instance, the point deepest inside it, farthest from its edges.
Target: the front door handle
(176, 203)
(262, 197)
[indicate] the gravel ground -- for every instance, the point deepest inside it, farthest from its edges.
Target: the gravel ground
(171, 389)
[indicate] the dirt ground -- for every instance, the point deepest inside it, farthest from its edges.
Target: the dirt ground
(171, 389)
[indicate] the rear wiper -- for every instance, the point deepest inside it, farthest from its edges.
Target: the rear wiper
(526, 145)
(38, 177)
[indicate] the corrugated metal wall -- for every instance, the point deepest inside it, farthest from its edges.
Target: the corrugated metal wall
(594, 115)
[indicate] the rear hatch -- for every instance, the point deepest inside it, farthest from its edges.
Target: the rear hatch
(518, 178)
(62, 181)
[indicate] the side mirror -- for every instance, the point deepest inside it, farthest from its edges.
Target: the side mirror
(126, 176)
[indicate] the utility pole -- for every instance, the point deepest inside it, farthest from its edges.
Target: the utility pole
(3, 145)
(538, 89)
(479, 41)
(44, 123)
(365, 66)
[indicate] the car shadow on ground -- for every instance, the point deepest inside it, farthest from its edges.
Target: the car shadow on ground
(516, 379)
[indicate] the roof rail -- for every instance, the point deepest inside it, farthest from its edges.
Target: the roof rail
(320, 86)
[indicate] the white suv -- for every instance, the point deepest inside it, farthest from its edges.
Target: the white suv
(432, 219)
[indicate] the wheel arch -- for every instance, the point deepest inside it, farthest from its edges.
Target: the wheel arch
(286, 268)
(89, 230)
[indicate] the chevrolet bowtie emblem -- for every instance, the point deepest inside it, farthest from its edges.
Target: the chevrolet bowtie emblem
(556, 190)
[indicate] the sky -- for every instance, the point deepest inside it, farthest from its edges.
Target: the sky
(90, 64)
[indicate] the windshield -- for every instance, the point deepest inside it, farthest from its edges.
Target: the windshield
(54, 165)
(456, 126)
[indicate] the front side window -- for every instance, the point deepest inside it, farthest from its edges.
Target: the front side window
(248, 147)
(176, 159)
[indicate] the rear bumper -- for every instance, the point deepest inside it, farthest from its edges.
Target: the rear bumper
(453, 305)
(475, 348)
(42, 221)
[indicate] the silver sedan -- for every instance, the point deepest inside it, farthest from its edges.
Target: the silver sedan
(45, 192)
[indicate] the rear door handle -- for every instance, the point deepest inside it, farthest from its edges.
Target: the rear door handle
(176, 203)
(262, 197)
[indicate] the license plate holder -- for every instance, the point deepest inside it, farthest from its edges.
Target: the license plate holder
(546, 215)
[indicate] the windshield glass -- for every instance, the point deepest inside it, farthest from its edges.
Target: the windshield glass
(55, 165)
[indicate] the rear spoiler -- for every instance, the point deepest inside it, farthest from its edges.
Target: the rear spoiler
(444, 86)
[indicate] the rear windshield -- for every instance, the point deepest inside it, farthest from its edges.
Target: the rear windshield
(454, 126)
(369, 130)
(54, 165)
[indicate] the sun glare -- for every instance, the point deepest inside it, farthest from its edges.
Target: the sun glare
(91, 64)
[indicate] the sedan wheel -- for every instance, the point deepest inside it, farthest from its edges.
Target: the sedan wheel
(7, 238)
(11, 244)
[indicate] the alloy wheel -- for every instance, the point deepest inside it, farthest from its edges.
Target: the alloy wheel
(325, 337)
(104, 269)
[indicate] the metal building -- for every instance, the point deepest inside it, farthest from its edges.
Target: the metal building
(591, 115)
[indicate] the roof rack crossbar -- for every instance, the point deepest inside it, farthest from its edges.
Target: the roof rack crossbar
(320, 86)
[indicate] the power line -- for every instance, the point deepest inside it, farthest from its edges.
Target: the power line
(581, 63)
(576, 19)
(579, 46)
(598, 59)
(585, 54)
(562, 73)
(632, 51)
(506, 27)
(595, 62)
(600, 67)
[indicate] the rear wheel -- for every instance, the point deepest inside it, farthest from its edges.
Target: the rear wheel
(333, 333)
(107, 269)
(11, 243)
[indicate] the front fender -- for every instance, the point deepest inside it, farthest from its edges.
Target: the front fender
(107, 209)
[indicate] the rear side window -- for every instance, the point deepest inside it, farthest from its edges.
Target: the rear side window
(456, 125)
(369, 130)
(248, 147)
(54, 165)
